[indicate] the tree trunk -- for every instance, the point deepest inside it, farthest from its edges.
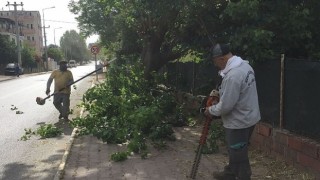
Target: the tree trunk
(151, 57)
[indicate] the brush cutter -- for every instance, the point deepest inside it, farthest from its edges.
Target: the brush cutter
(42, 101)
(207, 102)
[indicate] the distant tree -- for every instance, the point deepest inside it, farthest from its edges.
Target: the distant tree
(55, 53)
(74, 46)
(28, 57)
(7, 50)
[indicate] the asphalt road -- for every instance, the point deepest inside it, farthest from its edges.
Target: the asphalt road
(35, 158)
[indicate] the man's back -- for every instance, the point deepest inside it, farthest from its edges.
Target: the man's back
(242, 97)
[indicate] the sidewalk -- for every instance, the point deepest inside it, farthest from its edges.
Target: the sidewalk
(5, 78)
(86, 157)
(90, 159)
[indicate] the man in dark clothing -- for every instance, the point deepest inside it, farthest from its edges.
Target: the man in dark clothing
(17, 69)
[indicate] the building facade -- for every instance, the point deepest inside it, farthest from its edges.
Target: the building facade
(7, 29)
(30, 28)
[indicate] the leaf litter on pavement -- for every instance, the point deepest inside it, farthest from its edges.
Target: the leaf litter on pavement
(14, 108)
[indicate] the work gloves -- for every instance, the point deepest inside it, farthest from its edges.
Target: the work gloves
(47, 91)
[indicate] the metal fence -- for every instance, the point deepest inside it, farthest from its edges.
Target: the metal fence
(301, 97)
(298, 111)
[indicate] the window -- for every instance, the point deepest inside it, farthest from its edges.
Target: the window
(32, 38)
(31, 25)
(27, 26)
(28, 38)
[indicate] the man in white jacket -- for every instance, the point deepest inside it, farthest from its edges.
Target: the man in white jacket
(238, 108)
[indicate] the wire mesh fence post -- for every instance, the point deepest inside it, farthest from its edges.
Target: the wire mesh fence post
(281, 90)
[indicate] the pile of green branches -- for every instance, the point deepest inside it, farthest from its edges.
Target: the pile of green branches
(126, 108)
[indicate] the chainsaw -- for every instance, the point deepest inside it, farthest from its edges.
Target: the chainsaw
(207, 102)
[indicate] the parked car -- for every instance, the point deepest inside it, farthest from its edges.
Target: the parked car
(11, 69)
(72, 63)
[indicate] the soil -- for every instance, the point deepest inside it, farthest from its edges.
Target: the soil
(182, 153)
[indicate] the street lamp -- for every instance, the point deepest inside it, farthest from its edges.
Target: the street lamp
(45, 37)
(54, 34)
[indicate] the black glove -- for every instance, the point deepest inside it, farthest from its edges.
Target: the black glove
(47, 91)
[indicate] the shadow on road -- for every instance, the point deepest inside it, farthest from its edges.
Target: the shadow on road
(65, 126)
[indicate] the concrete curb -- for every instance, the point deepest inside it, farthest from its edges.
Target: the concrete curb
(62, 165)
(60, 172)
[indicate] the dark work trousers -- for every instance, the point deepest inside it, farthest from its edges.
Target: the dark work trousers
(62, 103)
(238, 140)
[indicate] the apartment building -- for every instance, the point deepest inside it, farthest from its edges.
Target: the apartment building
(29, 26)
(7, 28)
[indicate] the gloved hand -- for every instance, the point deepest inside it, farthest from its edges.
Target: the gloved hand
(212, 100)
(206, 113)
(47, 91)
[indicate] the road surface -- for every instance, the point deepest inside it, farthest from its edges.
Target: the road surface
(35, 158)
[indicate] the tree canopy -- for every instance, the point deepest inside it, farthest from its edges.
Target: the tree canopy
(73, 46)
(262, 29)
(28, 56)
(163, 31)
(157, 31)
(7, 50)
(55, 53)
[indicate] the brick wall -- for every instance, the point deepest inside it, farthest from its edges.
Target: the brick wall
(295, 150)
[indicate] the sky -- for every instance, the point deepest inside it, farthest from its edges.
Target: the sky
(59, 18)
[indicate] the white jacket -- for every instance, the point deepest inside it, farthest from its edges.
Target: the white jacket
(238, 106)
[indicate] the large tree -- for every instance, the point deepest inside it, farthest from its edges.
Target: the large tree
(159, 31)
(162, 31)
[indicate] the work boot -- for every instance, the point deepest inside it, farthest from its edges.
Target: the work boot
(226, 174)
(223, 176)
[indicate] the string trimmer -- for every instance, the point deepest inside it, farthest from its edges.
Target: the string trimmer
(209, 101)
(42, 101)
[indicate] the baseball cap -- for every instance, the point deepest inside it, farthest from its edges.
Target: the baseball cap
(219, 50)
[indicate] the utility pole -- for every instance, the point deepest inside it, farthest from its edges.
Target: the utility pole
(45, 46)
(17, 29)
(45, 37)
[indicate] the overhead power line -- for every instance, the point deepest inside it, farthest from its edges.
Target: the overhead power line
(61, 21)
